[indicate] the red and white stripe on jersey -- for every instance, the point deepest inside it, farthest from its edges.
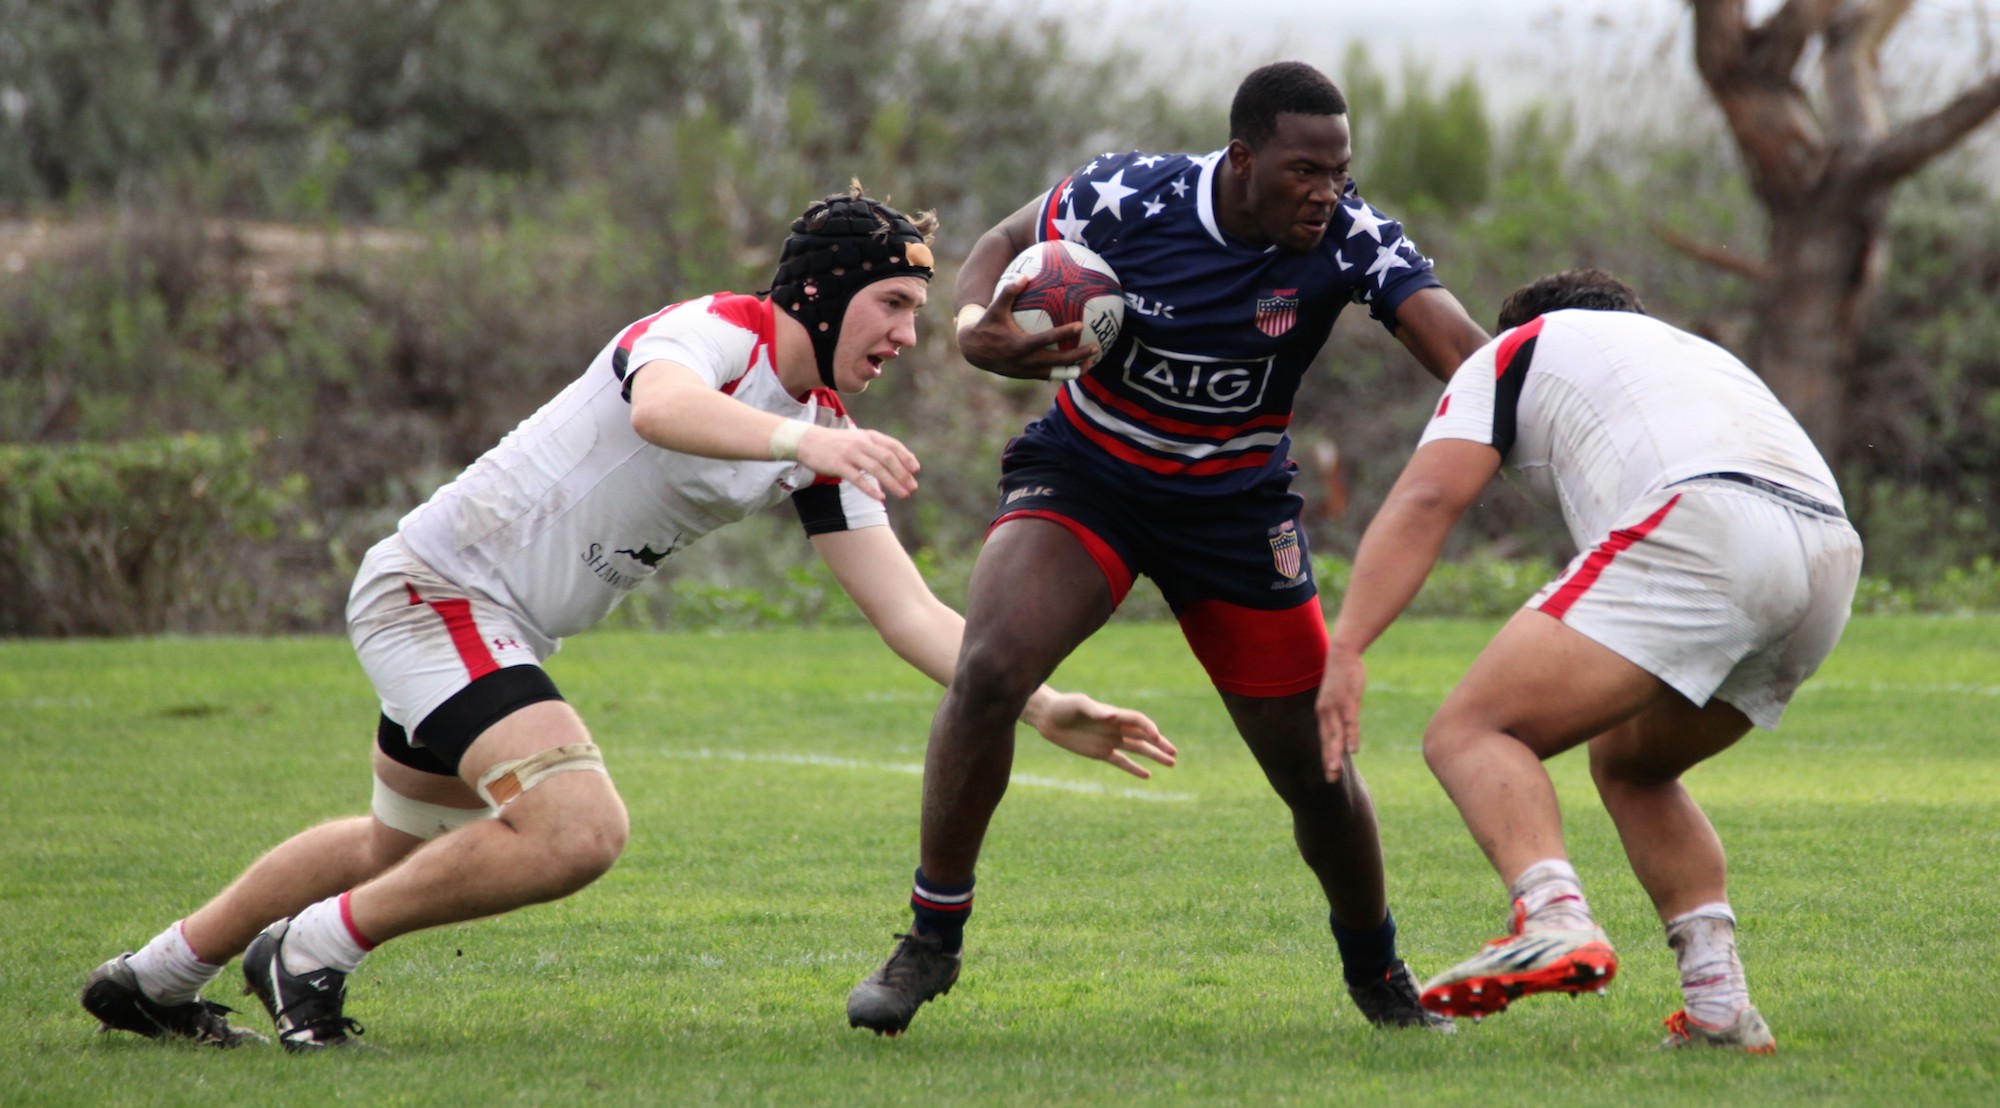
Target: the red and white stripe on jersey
(1051, 204)
(1594, 565)
(1510, 373)
(748, 312)
(1163, 445)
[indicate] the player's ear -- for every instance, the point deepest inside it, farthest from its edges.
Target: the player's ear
(1240, 156)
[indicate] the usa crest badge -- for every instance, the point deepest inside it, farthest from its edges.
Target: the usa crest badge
(1286, 552)
(1277, 312)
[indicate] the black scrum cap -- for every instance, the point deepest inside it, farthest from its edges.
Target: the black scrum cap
(840, 245)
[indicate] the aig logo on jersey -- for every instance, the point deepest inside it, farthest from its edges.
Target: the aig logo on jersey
(1196, 383)
(1288, 554)
(1277, 312)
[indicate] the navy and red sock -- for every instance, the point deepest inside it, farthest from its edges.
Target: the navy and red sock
(941, 909)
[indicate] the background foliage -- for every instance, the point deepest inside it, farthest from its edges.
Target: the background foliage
(375, 235)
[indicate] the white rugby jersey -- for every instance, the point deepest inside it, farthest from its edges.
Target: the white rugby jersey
(573, 510)
(1594, 410)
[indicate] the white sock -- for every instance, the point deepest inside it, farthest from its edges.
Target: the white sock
(1552, 897)
(169, 972)
(323, 937)
(1712, 981)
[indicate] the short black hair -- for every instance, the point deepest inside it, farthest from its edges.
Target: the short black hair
(1590, 289)
(1276, 88)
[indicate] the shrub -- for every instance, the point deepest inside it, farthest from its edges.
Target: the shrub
(107, 539)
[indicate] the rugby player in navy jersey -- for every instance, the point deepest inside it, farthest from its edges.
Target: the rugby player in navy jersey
(1167, 457)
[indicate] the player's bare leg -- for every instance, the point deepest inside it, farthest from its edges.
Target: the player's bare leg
(1334, 827)
(1637, 767)
(549, 841)
(316, 864)
(1035, 595)
(1332, 823)
(157, 991)
(1678, 859)
(1539, 688)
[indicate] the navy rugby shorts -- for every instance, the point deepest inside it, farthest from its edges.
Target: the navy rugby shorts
(1235, 569)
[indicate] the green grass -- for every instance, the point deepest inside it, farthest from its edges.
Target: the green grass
(1146, 943)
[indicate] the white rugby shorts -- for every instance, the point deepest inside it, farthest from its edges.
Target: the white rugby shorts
(1719, 590)
(422, 639)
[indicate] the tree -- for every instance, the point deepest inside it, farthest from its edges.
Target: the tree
(1823, 169)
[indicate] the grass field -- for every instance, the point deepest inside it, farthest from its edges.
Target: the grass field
(1135, 943)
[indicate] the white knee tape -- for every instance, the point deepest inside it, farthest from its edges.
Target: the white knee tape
(417, 817)
(508, 780)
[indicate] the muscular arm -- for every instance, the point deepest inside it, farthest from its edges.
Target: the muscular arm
(1434, 326)
(877, 573)
(673, 407)
(1396, 555)
(992, 341)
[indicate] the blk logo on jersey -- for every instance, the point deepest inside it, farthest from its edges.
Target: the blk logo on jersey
(1197, 383)
(1286, 552)
(1277, 312)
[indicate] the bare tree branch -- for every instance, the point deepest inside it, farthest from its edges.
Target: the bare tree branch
(1774, 126)
(1775, 45)
(1851, 69)
(1715, 254)
(1917, 142)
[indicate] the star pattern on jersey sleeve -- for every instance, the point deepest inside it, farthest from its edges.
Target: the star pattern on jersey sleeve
(1111, 194)
(1365, 220)
(1154, 207)
(1069, 226)
(1148, 161)
(1388, 257)
(1180, 187)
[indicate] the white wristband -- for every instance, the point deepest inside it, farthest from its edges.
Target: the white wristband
(785, 440)
(969, 315)
(1065, 373)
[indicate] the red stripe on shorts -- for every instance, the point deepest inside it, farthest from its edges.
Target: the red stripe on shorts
(1116, 573)
(465, 636)
(1593, 566)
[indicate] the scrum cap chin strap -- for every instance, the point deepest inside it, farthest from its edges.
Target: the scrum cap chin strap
(839, 246)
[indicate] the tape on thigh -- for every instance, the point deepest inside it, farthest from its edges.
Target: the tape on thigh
(417, 817)
(508, 780)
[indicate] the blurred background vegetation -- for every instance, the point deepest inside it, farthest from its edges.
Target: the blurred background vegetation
(273, 271)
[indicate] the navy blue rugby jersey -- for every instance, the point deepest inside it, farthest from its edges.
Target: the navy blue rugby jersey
(1196, 394)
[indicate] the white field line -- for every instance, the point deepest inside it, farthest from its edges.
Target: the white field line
(1953, 689)
(916, 769)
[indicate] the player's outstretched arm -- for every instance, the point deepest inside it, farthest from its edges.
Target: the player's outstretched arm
(987, 334)
(1434, 327)
(877, 573)
(674, 408)
(1396, 555)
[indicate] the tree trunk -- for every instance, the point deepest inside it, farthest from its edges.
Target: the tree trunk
(1824, 176)
(1827, 259)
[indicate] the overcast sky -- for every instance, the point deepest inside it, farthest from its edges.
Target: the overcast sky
(1618, 65)
(1514, 45)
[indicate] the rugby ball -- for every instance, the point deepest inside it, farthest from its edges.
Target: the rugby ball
(1067, 283)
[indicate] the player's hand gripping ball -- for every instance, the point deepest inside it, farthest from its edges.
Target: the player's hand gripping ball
(1067, 283)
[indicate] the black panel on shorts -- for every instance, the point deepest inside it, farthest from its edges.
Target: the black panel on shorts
(820, 509)
(449, 731)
